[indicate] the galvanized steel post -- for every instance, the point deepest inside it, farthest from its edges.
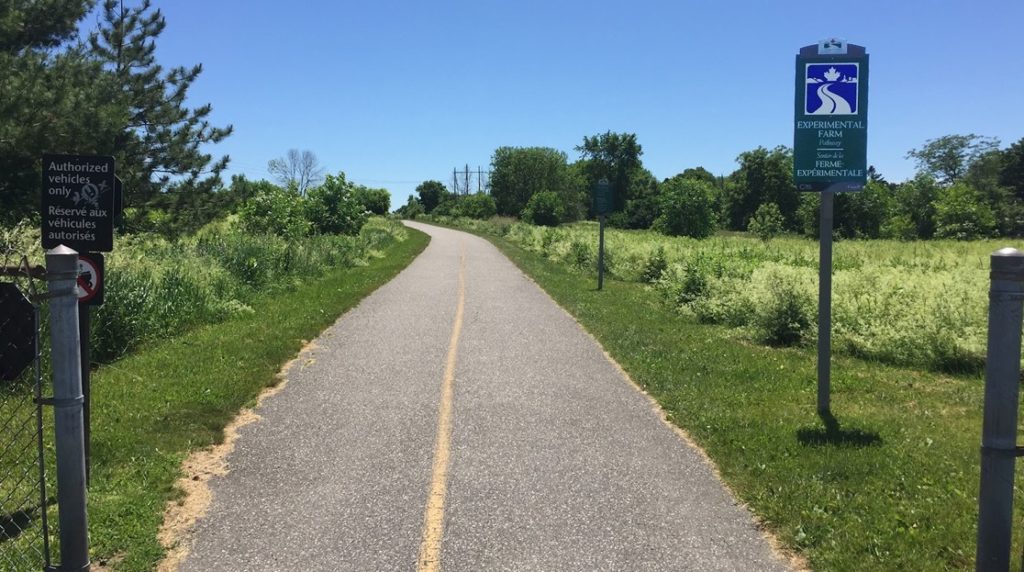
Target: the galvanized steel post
(999, 428)
(69, 427)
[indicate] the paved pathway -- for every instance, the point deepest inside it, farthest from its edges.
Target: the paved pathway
(546, 458)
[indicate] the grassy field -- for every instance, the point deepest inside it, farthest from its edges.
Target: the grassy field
(151, 408)
(889, 483)
(920, 304)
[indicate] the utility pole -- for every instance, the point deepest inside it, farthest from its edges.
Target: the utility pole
(466, 188)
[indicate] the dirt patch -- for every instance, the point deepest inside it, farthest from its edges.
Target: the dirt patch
(200, 466)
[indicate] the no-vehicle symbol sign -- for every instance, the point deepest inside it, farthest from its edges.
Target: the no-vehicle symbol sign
(90, 279)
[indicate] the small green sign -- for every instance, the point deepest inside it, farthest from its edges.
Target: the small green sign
(831, 117)
(603, 197)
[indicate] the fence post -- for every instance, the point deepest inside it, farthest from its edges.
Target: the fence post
(69, 427)
(999, 428)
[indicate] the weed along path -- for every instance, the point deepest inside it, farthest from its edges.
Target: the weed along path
(459, 420)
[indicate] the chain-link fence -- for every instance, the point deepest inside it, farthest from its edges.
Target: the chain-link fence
(24, 542)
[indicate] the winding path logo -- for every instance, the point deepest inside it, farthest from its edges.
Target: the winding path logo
(831, 89)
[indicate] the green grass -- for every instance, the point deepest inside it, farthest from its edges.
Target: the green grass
(152, 408)
(889, 484)
(920, 304)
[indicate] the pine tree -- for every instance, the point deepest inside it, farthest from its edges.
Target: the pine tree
(46, 83)
(161, 142)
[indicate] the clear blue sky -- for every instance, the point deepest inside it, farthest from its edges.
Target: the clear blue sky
(397, 92)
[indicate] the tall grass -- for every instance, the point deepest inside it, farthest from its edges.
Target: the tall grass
(155, 288)
(920, 304)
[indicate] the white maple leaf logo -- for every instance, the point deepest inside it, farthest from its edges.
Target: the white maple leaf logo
(832, 74)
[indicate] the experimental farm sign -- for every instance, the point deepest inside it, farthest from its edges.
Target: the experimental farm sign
(831, 117)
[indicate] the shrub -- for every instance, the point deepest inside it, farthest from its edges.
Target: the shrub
(580, 255)
(411, 209)
(694, 284)
(767, 222)
(275, 211)
(377, 201)
(447, 207)
(960, 213)
(333, 207)
(480, 206)
(899, 227)
(687, 208)
(783, 309)
(544, 208)
(654, 266)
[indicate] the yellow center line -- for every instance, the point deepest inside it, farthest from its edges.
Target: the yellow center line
(433, 522)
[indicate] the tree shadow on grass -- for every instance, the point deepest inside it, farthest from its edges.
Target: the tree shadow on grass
(834, 435)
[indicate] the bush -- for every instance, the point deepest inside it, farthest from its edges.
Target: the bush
(784, 309)
(377, 201)
(275, 211)
(694, 284)
(655, 266)
(447, 207)
(960, 213)
(480, 206)
(767, 222)
(544, 208)
(411, 209)
(333, 208)
(687, 208)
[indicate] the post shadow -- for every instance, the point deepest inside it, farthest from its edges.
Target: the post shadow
(832, 434)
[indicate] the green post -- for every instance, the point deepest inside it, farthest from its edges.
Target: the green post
(602, 205)
(600, 253)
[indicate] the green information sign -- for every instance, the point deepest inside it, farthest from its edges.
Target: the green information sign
(602, 197)
(830, 131)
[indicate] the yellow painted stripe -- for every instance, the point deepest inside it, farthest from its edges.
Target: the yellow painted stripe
(433, 522)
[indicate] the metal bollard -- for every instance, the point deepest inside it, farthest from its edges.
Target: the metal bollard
(999, 429)
(69, 426)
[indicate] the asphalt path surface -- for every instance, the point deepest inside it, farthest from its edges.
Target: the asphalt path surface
(555, 461)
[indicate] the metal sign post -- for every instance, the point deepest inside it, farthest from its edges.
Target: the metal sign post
(999, 450)
(69, 425)
(829, 156)
(602, 205)
(81, 197)
(90, 293)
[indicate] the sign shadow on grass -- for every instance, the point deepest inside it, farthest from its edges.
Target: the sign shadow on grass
(834, 435)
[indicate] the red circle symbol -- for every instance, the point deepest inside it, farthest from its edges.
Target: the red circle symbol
(89, 279)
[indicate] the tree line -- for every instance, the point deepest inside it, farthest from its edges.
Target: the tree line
(966, 187)
(105, 93)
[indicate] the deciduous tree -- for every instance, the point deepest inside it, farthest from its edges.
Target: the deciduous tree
(947, 158)
(612, 156)
(518, 173)
(687, 208)
(764, 176)
(431, 194)
(299, 169)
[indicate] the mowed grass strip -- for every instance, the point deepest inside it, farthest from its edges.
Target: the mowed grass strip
(889, 483)
(151, 409)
